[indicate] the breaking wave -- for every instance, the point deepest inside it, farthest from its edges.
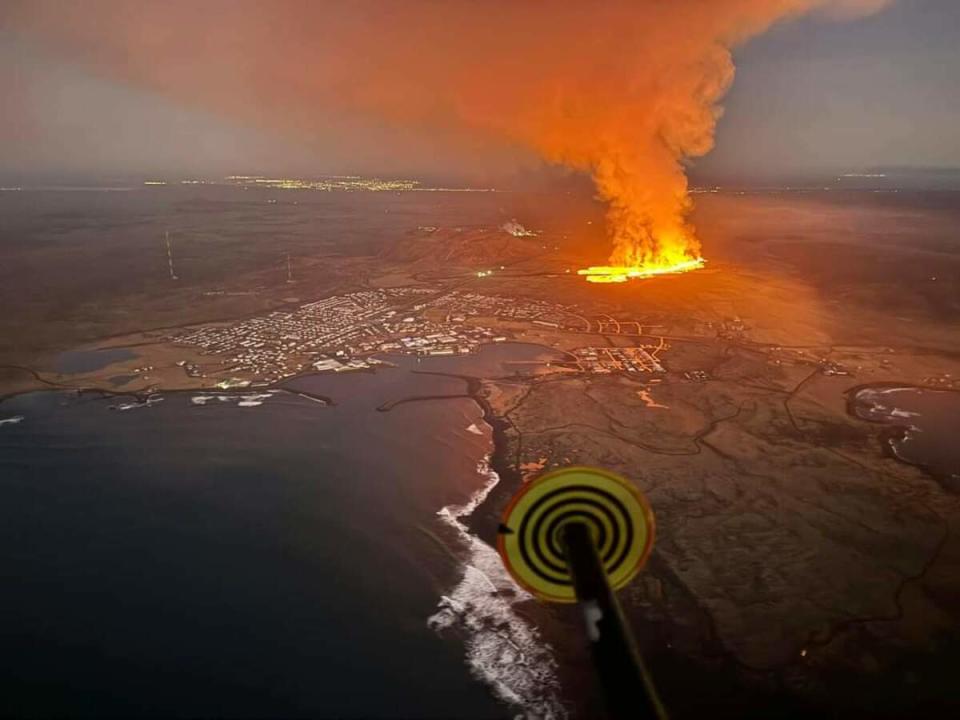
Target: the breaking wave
(244, 400)
(149, 401)
(503, 650)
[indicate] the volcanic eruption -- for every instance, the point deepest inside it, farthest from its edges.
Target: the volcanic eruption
(626, 91)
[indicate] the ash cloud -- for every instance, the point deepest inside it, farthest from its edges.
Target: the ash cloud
(628, 92)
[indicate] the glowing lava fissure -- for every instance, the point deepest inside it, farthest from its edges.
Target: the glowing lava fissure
(647, 217)
(622, 273)
(640, 253)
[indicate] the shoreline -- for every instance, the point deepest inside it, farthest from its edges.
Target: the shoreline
(503, 649)
(39, 383)
(487, 617)
(510, 478)
(477, 528)
(495, 622)
(554, 625)
(894, 430)
(143, 395)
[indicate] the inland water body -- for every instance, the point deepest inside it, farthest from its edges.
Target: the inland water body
(923, 424)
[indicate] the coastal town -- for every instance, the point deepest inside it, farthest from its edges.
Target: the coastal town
(345, 333)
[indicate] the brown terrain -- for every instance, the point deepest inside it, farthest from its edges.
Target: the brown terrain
(797, 567)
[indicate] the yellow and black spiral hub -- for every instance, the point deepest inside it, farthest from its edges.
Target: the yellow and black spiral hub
(530, 538)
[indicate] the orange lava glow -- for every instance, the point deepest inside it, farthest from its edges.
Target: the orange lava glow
(621, 273)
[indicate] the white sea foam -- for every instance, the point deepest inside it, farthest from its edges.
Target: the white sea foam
(11, 420)
(887, 390)
(248, 400)
(254, 399)
(878, 404)
(151, 400)
(503, 650)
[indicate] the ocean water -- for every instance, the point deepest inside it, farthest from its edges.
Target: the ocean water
(277, 557)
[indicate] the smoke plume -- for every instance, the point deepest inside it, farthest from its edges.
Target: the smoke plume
(626, 91)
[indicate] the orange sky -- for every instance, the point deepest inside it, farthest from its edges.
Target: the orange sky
(625, 91)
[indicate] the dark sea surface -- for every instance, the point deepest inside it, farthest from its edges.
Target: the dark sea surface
(181, 559)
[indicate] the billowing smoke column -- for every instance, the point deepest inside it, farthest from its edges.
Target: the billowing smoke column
(626, 91)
